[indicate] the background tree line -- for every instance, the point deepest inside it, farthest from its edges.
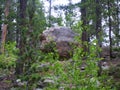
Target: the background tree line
(100, 20)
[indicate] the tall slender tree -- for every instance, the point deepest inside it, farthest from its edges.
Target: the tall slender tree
(69, 14)
(98, 22)
(50, 9)
(5, 25)
(117, 23)
(110, 26)
(1, 12)
(84, 20)
(21, 35)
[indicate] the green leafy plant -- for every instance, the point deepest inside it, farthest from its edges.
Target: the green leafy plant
(8, 59)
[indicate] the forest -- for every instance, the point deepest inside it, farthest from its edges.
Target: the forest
(69, 46)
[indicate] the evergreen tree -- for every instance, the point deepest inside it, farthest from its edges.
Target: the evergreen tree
(110, 26)
(1, 15)
(84, 23)
(116, 23)
(32, 14)
(22, 38)
(98, 22)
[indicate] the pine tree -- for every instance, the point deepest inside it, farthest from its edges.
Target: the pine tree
(110, 26)
(84, 31)
(98, 22)
(22, 38)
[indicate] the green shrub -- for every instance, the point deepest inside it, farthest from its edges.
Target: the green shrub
(8, 59)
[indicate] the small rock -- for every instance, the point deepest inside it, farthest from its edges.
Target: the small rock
(18, 80)
(61, 88)
(43, 66)
(105, 66)
(50, 81)
(38, 89)
(46, 81)
(21, 83)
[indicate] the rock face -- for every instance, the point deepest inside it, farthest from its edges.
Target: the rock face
(59, 38)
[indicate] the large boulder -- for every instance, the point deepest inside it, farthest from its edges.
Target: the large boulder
(59, 38)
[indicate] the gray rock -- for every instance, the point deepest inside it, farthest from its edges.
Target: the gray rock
(38, 89)
(46, 81)
(18, 80)
(61, 88)
(43, 67)
(21, 83)
(49, 81)
(59, 34)
(105, 66)
(60, 38)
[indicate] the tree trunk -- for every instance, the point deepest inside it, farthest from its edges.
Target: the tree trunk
(98, 25)
(110, 28)
(0, 20)
(21, 41)
(84, 32)
(98, 22)
(4, 27)
(118, 24)
(50, 8)
(31, 41)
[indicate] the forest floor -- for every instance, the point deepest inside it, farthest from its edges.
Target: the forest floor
(7, 81)
(114, 60)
